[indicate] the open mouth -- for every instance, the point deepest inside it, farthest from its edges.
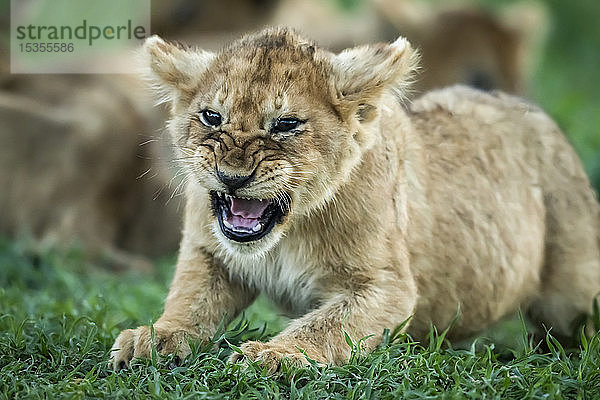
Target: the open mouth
(245, 220)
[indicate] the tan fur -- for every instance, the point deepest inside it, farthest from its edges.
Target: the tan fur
(461, 201)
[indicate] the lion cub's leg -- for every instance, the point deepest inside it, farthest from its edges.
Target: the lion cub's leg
(571, 274)
(320, 333)
(201, 295)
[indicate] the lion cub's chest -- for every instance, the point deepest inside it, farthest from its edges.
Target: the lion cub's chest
(285, 277)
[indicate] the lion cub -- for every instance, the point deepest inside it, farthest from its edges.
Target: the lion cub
(308, 180)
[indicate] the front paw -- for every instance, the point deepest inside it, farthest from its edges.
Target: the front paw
(138, 343)
(271, 355)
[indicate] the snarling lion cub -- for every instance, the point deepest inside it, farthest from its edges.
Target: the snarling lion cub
(308, 180)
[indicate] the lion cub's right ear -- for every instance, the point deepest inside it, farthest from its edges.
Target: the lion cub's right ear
(173, 69)
(361, 74)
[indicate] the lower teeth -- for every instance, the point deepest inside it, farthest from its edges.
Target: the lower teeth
(256, 228)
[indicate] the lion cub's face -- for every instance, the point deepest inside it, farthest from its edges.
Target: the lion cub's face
(272, 126)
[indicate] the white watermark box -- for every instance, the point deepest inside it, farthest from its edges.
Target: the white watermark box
(77, 36)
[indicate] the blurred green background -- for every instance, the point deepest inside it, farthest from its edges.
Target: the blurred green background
(566, 82)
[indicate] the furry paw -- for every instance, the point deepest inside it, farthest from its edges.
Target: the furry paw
(138, 343)
(271, 355)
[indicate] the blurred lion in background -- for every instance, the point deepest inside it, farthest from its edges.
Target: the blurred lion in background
(74, 172)
(459, 41)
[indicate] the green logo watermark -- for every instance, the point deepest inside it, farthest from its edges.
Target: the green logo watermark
(90, 33)
(77, 36)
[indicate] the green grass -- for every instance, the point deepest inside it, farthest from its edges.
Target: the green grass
(59, 317)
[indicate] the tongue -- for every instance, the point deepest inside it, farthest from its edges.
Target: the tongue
(248, 208)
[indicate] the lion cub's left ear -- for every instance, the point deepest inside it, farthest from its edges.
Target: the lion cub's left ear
(361, 74)
(174, 70)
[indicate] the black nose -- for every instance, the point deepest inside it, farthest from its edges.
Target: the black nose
(234, 182)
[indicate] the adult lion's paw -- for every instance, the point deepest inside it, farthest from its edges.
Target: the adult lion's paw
(271, 355)
(138, 343)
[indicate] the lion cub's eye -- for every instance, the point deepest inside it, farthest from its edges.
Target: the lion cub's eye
(210, 118)
(285, 125)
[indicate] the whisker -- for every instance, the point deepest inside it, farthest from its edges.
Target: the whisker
(146, 142)
(145, 173)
